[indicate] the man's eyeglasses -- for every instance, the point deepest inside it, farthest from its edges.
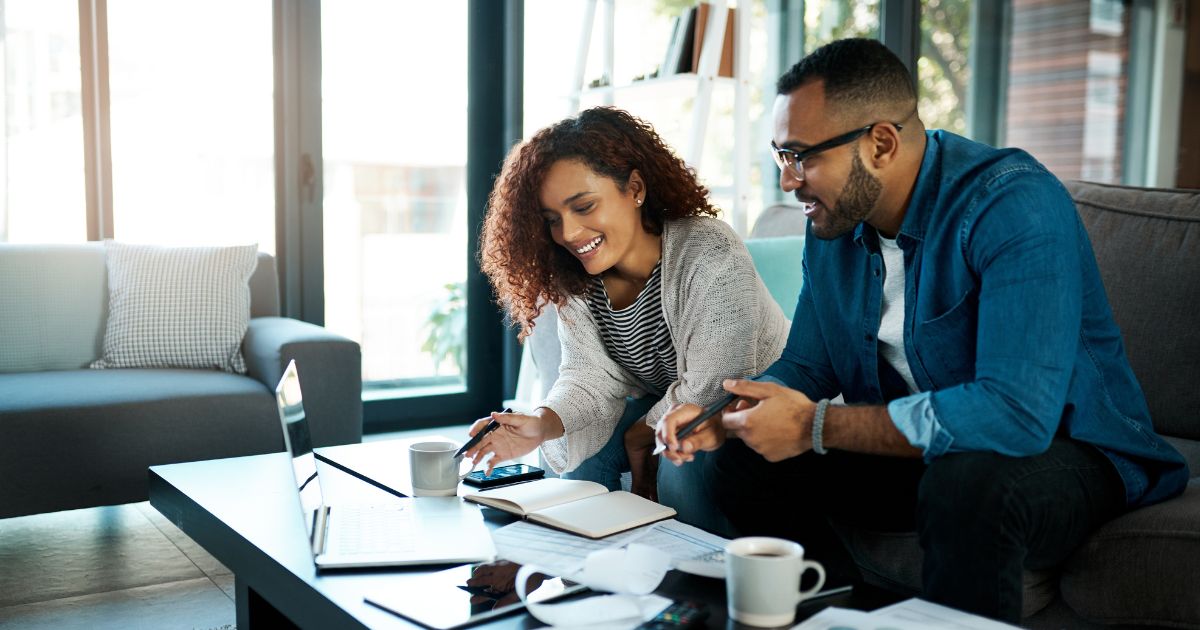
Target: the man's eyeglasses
(792, 162)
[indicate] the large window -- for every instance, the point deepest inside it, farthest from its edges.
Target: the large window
(944, 69)
(394, 111)
(41, 147)
(827, 20)
(192, 136)
(1066, 85)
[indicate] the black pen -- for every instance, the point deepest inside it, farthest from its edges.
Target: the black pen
(491, 426)
(708, 412)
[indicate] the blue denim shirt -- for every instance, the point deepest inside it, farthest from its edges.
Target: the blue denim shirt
(1007, 328)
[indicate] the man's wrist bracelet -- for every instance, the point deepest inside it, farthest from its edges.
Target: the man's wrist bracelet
(818, 427)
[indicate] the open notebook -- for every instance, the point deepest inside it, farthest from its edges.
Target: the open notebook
(580, 507)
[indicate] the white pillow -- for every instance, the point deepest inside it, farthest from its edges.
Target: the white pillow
(177, 307)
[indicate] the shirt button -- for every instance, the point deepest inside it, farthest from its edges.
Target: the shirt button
(877, 272)
(870, 337)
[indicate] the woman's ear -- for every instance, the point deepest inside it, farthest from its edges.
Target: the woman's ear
(637, 187)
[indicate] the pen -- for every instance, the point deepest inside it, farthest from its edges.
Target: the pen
(491, 426)
(708, 412)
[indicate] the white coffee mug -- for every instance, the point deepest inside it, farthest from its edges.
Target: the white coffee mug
(762, 580)
(435, 469)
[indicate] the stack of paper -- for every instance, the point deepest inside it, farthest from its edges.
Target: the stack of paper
(913, 614)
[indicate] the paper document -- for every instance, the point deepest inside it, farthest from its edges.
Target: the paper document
(692, 549)
(912, 614)
(920, 613)
(559, 552)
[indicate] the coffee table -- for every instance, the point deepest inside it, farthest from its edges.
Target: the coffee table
(243, 511)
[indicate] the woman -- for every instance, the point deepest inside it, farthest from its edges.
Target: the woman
(658, 301)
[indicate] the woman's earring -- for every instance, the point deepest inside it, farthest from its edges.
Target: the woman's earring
(639, 202)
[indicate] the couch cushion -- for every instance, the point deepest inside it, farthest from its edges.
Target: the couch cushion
(177, 307)
(1141, 568)
(1147, 243)
(80, 438)
(52, 302)
(264, 288)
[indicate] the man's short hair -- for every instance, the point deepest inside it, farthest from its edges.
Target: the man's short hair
(857, 72)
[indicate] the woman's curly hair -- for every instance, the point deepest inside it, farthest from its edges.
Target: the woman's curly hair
(526, 267)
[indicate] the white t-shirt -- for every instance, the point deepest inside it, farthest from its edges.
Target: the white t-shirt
(891, 320)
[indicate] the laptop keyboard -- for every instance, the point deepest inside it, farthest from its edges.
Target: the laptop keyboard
(370, 529)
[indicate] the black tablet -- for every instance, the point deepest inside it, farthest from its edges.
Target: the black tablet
(465, 595)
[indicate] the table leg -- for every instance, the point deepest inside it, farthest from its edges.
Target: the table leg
(255, 612)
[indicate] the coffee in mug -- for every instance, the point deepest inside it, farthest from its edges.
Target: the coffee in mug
(435, 469)
(762, 580)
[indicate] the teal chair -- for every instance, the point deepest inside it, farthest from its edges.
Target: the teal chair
(779, 261)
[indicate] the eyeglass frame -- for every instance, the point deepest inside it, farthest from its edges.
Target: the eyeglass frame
(798, 157)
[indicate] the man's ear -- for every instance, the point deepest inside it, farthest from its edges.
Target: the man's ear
(885, 144)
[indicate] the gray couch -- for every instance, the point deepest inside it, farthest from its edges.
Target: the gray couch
(75, 437)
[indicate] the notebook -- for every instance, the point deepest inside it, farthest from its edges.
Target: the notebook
(433, 530)
(580, 507)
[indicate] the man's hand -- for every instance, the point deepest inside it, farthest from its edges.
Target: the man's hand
(518, 435)
(777, 426)
(643, 463)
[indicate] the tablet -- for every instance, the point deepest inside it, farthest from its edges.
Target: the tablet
(465, 595)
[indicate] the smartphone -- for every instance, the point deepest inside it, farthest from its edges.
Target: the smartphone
(504, 475)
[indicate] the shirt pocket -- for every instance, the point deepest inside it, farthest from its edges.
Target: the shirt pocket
(945, 343)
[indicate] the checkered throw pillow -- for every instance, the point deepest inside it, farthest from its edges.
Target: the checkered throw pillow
(177, 307)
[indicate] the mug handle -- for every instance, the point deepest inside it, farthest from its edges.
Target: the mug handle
(469, 471)
(805, 566)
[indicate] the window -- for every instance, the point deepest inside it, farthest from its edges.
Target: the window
(41, 149)
(192, 132)
(944, 69)
(828, 20)
(1066, 85)
(394, 111)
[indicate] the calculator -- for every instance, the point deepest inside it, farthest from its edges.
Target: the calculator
(504, 475)
(681, 614)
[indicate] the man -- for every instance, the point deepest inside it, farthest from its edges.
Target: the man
(952, 298)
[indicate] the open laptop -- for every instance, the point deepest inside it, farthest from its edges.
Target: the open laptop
(432, 530)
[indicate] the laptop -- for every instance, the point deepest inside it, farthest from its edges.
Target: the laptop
(428, 530)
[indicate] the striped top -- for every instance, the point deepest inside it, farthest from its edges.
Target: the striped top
(636, 336)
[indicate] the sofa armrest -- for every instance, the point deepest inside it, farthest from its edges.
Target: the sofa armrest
(330, 369)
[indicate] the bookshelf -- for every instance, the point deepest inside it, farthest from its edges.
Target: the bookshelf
(699, 85)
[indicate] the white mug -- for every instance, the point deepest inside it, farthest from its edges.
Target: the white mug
(762, 580)
(435, 469)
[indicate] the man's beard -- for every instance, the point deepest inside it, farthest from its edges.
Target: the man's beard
(854, 205)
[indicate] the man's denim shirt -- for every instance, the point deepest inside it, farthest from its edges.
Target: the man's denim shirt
(1007, 327)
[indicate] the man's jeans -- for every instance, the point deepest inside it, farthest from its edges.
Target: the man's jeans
(687, 488)
(982, 518)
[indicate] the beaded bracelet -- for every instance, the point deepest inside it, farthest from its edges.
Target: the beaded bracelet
(818, 427)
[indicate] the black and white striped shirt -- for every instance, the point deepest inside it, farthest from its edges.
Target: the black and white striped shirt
(636, 336)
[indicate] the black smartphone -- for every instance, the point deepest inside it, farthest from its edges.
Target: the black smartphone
(504, 475)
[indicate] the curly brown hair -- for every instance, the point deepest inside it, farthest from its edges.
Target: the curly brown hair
(527, 269)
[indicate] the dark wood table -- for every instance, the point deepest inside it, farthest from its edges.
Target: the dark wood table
(244, 512)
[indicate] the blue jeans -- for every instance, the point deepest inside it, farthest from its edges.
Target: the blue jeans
(687, 488)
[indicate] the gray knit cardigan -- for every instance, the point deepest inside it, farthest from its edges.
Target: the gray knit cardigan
(722, 320)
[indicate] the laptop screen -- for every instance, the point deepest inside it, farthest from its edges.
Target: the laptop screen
(299, 443)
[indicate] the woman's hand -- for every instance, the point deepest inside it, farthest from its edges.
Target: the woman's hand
(518, 435)
(709, 436)
(643, 463)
